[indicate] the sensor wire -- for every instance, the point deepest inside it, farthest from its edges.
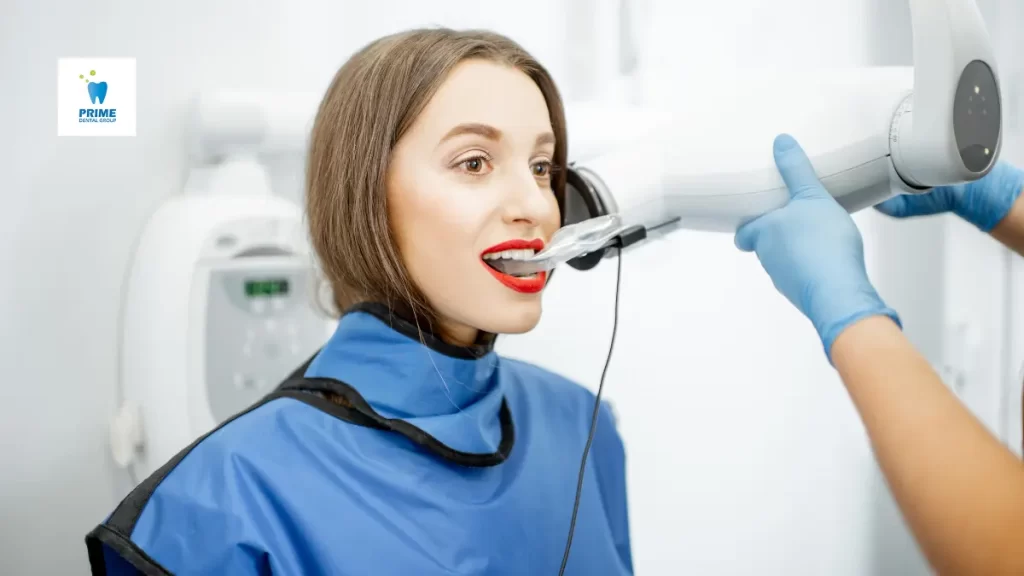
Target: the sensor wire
(593, 417)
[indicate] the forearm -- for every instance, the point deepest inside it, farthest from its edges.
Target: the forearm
(1010, 230)
(961, 492)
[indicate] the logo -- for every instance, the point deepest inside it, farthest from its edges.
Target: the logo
(97, 90)
(96, 97)
(97, 94)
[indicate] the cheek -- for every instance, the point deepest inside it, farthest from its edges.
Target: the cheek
(434, 220)
(550, 218)
(554, 219)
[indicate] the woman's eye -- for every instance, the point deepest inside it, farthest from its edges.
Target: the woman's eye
(477, 165)
(542, 169)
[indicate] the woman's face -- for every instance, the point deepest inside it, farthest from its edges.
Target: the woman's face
(472, 177)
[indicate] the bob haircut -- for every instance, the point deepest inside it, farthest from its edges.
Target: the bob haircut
(372, 101)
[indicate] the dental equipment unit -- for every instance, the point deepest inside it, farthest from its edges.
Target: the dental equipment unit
(870, 133)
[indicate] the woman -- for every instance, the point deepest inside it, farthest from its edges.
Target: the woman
(406, 445)
(961, 491)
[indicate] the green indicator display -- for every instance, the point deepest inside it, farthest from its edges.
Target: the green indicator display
(266, 288)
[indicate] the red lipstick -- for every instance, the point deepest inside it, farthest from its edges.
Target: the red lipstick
(529, 285)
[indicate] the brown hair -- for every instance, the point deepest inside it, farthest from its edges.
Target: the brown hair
(372, 101)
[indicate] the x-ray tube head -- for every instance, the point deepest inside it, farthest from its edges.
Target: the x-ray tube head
(950, 129)
(706, 162)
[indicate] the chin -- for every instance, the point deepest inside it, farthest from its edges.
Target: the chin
(513, 318)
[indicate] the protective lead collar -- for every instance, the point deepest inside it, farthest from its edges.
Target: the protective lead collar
(421, 334)
(446, 398)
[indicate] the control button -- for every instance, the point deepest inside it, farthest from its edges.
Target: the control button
(258, 305)
(295, 348)
(247, 350)
(277, 304)
(292, 329)
(271, 326)
(239, 380)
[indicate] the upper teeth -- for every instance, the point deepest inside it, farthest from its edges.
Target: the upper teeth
(510, 254)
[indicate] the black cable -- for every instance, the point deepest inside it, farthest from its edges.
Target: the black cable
(593, 418)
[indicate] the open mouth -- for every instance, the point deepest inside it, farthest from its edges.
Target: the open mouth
(515, 250)
(522, 254)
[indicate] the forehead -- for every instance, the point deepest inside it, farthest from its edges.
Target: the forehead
(479, 91)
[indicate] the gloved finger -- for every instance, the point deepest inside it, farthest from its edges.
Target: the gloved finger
(747, 234)
(907, 205)
(896, 207)
(796, 169)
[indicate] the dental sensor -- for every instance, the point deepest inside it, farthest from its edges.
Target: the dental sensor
(705, 162)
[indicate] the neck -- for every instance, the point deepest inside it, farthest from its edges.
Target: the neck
(441, 334)
(458, 334)
(449, 331)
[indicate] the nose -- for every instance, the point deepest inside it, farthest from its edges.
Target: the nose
(527, 201)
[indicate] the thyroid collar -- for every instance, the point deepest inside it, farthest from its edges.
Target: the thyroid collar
(452, 394)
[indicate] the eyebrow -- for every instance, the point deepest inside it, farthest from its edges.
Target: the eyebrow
(545, 138)
(491, 133)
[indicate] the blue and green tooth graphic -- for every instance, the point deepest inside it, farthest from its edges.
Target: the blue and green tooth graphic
(97, 90)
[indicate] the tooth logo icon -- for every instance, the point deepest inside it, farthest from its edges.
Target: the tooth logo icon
(97, 90)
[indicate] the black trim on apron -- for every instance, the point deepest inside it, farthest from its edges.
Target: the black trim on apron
(406, 327)
(358, 411)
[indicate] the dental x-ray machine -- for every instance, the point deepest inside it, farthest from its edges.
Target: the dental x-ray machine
(221, 302)
(706, 163)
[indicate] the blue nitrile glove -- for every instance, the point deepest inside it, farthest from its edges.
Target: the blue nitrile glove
(984, 202)
(813, 251)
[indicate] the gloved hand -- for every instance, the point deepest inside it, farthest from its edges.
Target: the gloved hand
(813, 251)
(984, 202)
